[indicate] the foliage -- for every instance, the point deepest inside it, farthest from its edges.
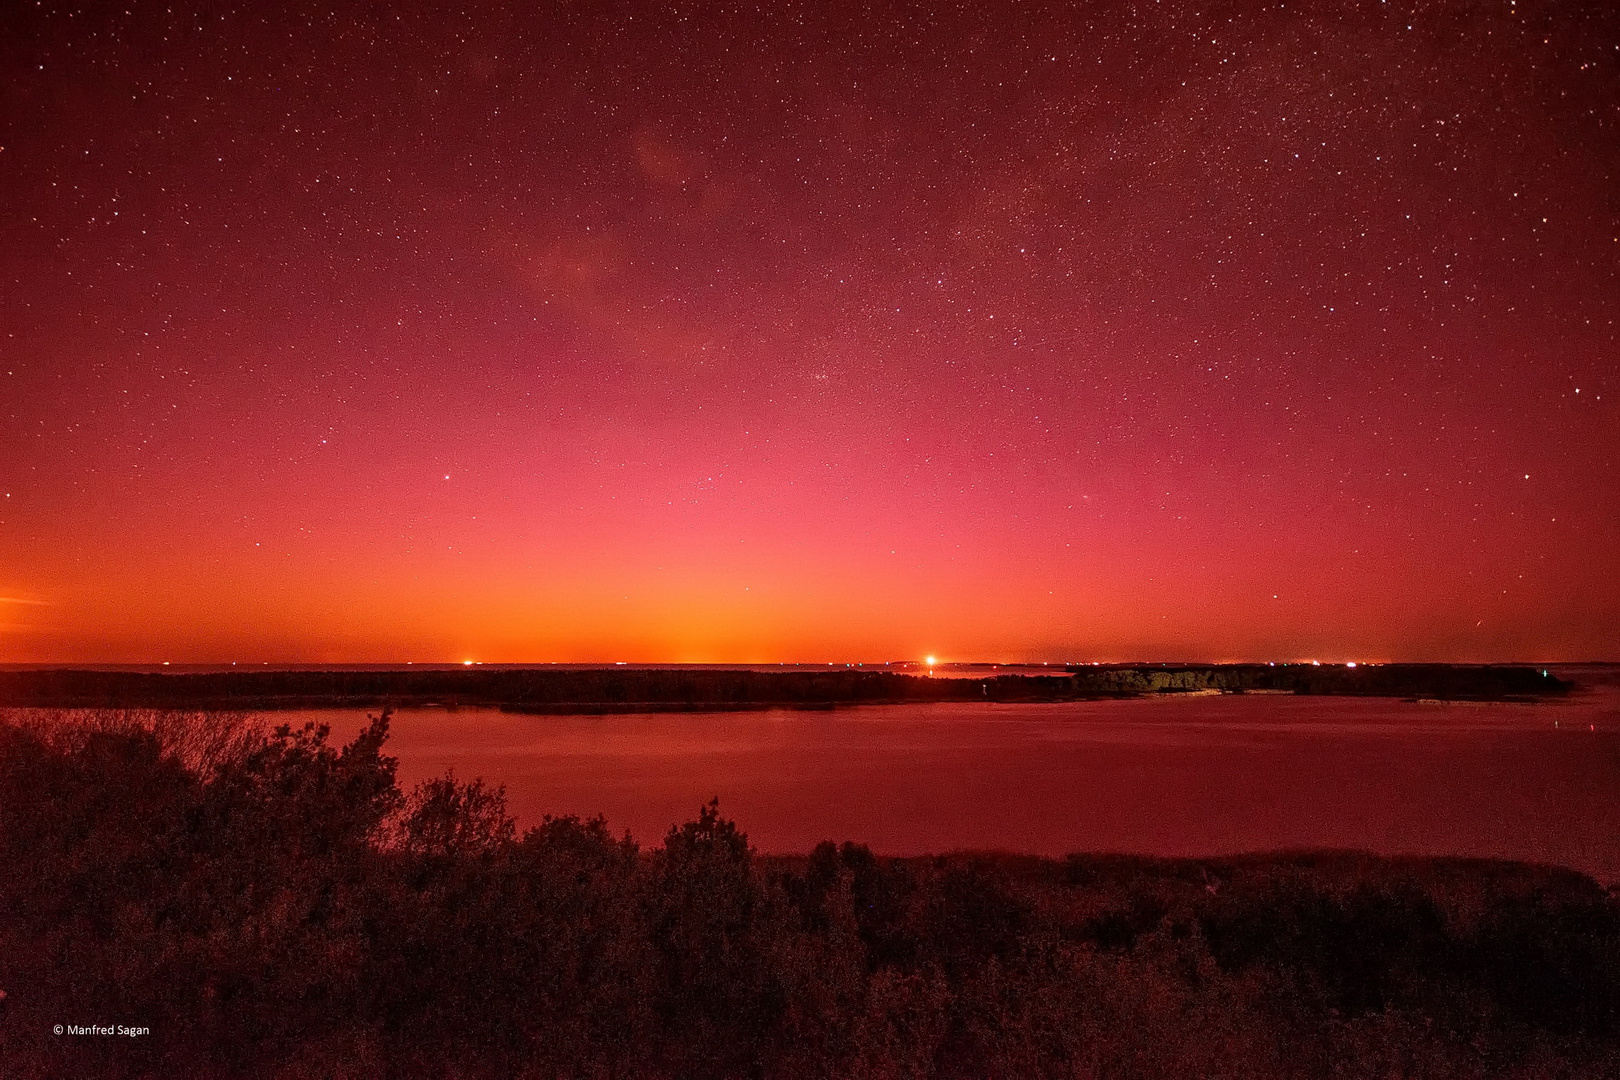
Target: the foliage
(270, 905)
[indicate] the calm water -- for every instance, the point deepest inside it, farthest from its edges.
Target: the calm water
(1175, 776)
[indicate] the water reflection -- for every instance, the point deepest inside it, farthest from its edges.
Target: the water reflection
(1174, 776)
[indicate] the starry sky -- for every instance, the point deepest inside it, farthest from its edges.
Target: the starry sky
(808, 332)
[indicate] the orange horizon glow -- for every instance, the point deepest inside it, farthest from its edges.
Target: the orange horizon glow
(862, 572)
(207, 621)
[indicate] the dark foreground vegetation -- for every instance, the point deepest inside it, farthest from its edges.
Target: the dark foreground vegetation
(268, 905)
(619, 690)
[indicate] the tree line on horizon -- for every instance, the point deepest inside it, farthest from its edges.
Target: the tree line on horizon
(271, 905)
(618, 689)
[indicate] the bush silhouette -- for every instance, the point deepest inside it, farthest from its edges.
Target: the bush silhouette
(270, 905)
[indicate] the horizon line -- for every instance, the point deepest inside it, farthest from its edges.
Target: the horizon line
(907, 663)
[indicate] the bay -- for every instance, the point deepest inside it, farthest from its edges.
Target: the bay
(1175, 775)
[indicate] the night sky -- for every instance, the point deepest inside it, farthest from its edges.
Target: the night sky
(804, 332)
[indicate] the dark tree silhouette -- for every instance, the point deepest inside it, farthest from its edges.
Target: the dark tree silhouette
(269, 905)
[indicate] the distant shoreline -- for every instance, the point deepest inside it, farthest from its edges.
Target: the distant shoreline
(621, 689)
